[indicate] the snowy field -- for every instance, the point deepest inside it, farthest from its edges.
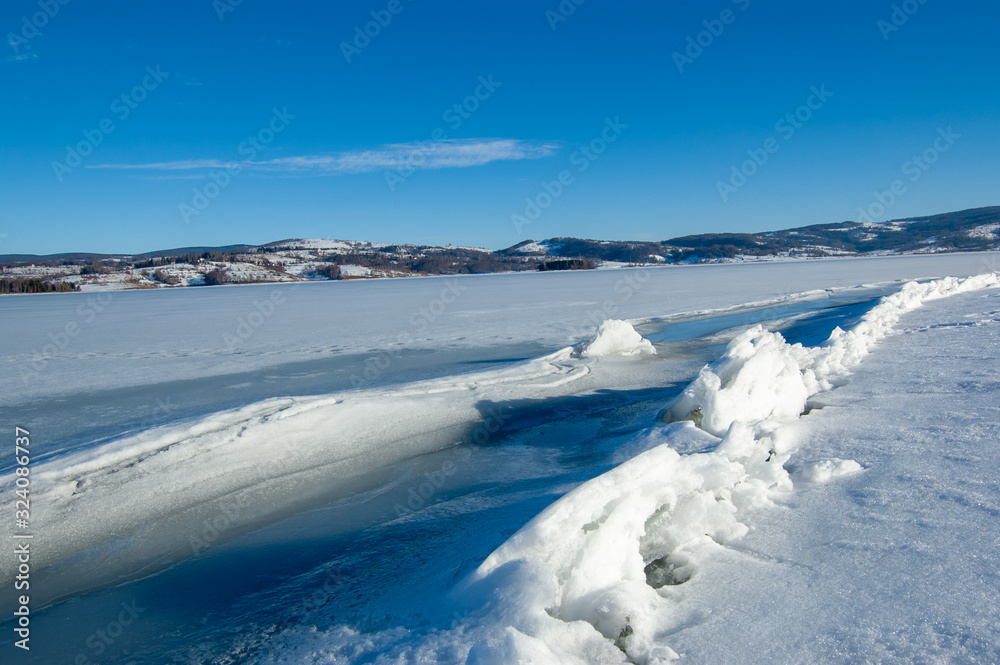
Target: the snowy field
(781, 462)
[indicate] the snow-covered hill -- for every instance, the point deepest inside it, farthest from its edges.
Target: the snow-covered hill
(303, 259)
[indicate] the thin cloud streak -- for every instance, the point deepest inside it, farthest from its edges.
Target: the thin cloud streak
(452, 153)
(182, 165)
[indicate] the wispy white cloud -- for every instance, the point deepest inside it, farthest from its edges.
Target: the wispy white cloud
(182, 165)
(452, 153)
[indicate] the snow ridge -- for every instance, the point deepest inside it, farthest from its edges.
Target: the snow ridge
(252, 461)
(590, 579)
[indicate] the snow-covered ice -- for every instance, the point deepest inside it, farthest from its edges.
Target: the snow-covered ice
(134, 338)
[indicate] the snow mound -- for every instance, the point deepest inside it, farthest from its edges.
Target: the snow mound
(617, 338)
(590, 579)
(760, 376)
(826, 470)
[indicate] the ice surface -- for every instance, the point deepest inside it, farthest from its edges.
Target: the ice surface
(122, 502)
(134, 338)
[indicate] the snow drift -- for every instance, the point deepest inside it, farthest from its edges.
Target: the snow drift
(760, 376)
(591, 577)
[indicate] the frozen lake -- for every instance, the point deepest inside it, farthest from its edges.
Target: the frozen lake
(316, 510)
(134, 359)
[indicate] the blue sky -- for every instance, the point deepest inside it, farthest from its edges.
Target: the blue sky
(600, 120)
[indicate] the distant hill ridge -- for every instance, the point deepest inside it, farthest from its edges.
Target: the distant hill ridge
(976, 229)
(296, 259)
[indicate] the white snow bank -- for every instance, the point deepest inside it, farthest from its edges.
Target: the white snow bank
(616, 338)
(577, 582)
(761, 376)
(590, 579)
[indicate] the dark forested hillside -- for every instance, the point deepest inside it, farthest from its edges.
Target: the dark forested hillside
(292, 260)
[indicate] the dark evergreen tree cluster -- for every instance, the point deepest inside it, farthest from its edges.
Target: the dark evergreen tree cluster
(33, 285)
